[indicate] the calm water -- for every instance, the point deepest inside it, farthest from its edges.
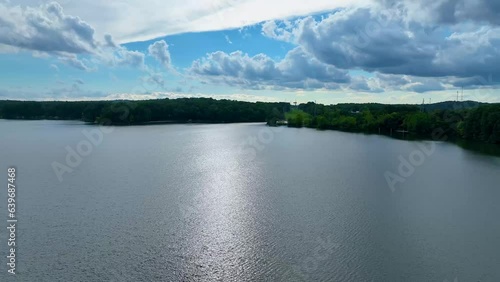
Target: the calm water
(205, 203)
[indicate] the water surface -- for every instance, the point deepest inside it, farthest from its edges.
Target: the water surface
(239, 202)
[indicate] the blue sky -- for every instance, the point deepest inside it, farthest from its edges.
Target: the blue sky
(331, 52)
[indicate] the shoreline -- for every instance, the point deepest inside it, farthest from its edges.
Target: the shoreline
(490, 149)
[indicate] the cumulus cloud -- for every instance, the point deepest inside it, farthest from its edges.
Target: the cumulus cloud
(364, 84)
(447, 11)
(390, 82)
(46, 28)
(391, 42)
(125, 57)
(296, 71)
(280, 30)
(408, 83)
(159, 51)
(73, 61)
(110, 42)
(341, 40)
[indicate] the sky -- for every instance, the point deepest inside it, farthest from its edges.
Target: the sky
(385, 51)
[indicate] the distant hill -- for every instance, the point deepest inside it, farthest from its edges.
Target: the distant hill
(452, 105)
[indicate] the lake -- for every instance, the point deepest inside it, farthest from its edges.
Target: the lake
(245, 202)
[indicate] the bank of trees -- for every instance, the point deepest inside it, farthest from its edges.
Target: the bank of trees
(481, 123)
(136, 112)
(461, 120)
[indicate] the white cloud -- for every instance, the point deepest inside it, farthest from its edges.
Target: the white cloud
(296, 71)
(390, 42)
(139, 20)
(73, 61)
(159, 51)
(283, 31)
(125, 57)
(46, 28)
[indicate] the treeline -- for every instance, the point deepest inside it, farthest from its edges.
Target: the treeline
(137, 112)
(466, 120)
(481, 123)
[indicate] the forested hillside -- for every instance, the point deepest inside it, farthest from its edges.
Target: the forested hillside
(481, 123)
(467, 120)
(136, 112)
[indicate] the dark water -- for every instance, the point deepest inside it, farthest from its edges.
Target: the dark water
(206, 203)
